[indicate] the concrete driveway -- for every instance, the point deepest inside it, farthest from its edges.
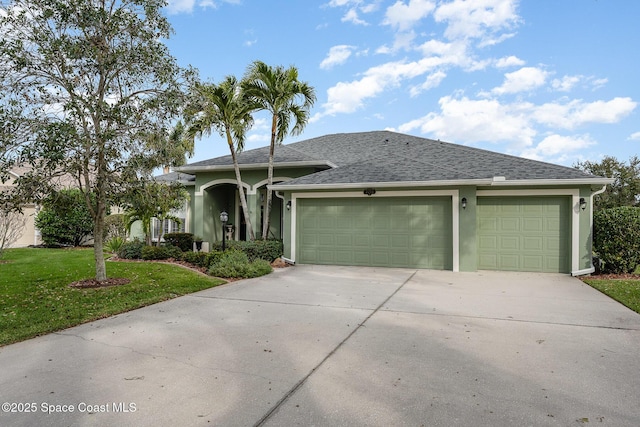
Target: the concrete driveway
(330, 346)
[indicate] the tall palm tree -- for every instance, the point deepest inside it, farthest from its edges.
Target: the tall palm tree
(223, 108)
(278, 91)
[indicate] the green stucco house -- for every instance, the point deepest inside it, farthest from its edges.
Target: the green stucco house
(393, 200)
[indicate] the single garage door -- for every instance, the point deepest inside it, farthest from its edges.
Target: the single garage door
(524, 234)
(375, 231)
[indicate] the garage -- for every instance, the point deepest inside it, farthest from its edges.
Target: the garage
(375, 231)
(524, 234)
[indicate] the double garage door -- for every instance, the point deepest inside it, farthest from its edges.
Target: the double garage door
(513, 233)
(524, 234)
(376, 231)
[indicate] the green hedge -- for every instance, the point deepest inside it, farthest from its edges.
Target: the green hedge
(131, 250)
(201, 259)
(616, 239)
(267, 250)
(235, 264)
(161, 252)
(184, 241)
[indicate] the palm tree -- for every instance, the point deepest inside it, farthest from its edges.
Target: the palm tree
(224, 108)
(278, 91)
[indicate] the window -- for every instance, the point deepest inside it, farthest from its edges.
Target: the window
(168, 226)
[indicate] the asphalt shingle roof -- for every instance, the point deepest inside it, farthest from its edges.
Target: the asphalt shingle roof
(385, 156)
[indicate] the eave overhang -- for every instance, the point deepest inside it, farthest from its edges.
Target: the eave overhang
(253, 166)
(490, 182)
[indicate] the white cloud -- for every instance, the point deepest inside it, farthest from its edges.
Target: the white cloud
(348, 97)
(466, 120)
(337, 55)
(598, 83)
(509, 61)
(634, 136)
(187, 6)
(566, 83)
(352, 16)
(180, 6)
(403, 16)
(559, 148)
(525, 79)
(578, 113)
(477, 18)
(433, 80)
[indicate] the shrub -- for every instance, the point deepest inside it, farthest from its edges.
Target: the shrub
(65, 219)
(115, 226)
(195, 258)
(616, 238)
(184, 241)
(236, 264)
(131, 250)
(212, 258)
(161, 252)
(257, 249)
(114, 244)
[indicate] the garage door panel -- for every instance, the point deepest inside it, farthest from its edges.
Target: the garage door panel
(508, 262)
(509, 224)
(509, 243)
(400, 242)
(533, 262)
(534, 225)
(533, 243)
(524, 233)
(389, 231)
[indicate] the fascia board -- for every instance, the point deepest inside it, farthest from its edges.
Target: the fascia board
(444, 183)
(251, 166)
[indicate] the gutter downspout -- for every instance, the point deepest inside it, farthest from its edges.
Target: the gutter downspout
(592, 268)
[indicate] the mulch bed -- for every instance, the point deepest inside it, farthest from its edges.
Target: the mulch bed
(93, 283)
(118, 281)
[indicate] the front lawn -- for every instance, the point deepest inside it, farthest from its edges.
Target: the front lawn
(35, 297)
(624, 290)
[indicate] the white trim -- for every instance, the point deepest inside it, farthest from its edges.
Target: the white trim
(574, 193)
(249, 166)
(259, 184)
(492, 182)
(219, 182)
(455, 212)
(583, 272)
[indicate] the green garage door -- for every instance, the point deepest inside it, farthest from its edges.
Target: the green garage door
(376, 231)
(524, 234)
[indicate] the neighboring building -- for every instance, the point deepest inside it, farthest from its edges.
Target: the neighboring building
(388, 199)
(30, 235)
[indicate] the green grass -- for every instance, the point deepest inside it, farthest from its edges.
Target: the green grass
(35, 297)
(625, 291)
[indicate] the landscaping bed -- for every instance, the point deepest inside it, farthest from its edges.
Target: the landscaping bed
(36, 297)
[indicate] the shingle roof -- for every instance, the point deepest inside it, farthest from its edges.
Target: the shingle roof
(388, 157)
(176, 176)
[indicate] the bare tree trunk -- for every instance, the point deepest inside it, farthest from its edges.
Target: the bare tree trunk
(243, 199)
(98, 253)
(267, 209)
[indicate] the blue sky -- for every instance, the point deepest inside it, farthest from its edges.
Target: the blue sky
(553, 80)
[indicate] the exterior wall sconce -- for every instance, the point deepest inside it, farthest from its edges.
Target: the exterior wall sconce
(583, 203)
(464, 203)
(369, 191)
(289, 205)
(224, 217)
